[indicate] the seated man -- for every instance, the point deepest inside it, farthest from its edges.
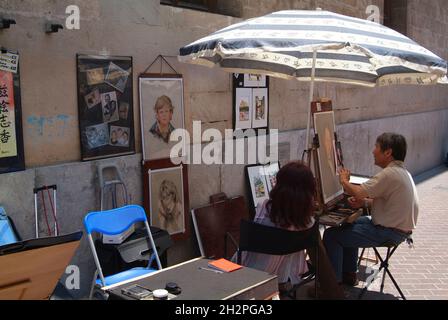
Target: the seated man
(392, 197)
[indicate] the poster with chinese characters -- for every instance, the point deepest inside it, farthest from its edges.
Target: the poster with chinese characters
(11, 140)
(8, 146)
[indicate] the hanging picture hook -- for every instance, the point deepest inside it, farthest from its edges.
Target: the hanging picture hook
(162, 60)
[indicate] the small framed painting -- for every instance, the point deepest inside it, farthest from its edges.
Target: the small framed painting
(166, 197)
(250, 103)
(254, 80)
(261, 179)
(260, 108)
(243, 108)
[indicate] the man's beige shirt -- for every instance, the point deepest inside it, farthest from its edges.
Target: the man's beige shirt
(395, 199)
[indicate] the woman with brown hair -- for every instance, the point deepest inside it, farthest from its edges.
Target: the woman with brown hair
(290, 206)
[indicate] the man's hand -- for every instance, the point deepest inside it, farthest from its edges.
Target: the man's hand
(355, 203)
(351, 189)
(344, 175)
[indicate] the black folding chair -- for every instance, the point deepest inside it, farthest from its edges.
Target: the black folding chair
(255, 237)
(384, 264)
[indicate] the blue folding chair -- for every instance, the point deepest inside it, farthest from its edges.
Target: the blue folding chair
(8, 232)
(113, 222)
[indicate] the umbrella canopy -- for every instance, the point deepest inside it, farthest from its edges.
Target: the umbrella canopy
(349, 50)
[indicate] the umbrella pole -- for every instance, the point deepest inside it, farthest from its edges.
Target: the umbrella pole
(313, 74)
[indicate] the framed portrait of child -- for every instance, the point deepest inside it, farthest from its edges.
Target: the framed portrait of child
(166, 199)
(161, 113)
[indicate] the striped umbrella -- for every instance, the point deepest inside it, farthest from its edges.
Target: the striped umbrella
(318, 46)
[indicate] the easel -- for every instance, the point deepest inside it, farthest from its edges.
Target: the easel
(312, 159)
(323, 208)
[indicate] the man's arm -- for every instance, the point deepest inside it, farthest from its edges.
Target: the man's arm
(354, 190)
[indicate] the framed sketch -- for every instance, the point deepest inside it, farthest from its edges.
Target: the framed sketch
(324, 127)
(261, 179)
(243, 108)
(11, 135)
(250, 102)
(270, 172)
(105, 100)
(161, 112)
(260, 108)
(254, 80)
(166, 197)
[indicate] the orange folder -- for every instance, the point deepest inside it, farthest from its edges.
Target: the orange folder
(224, 265)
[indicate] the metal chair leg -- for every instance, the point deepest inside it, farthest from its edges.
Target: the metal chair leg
(92, 287)
(316, 279)
(361, 256)
(384, 265)
(395, 284)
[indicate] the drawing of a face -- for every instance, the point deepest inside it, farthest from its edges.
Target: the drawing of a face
(168, 197)
(123, 111)
(164, 115)
(113, 136)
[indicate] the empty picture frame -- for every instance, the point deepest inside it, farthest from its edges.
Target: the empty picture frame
(166, 200)
(324, 127)
(161, 112)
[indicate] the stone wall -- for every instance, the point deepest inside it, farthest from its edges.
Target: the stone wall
(253, 8)
(143, 29)
(428, 25)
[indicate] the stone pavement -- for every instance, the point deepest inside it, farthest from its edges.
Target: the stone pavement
(422, 271)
